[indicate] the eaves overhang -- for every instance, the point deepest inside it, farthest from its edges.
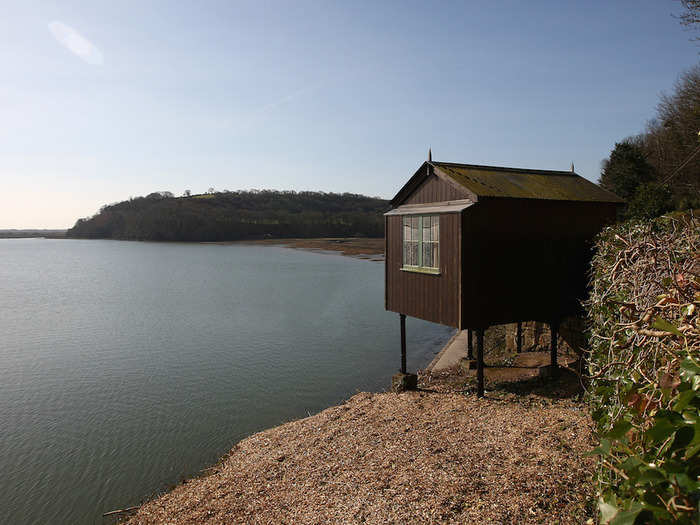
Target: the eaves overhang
(433, 207)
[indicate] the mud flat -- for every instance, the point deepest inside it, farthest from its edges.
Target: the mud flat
(362, 247)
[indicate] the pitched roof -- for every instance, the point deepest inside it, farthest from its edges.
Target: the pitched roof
(494, 181)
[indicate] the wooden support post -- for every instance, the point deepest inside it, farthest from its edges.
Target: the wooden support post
(519, 338)
(403, 343)
(403, 381)
(554, 335)
(480, 362)
(470, 346)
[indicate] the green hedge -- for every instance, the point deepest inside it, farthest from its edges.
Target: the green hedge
(644, 368)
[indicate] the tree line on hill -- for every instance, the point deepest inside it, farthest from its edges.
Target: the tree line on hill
(659, 170)
(227, 216)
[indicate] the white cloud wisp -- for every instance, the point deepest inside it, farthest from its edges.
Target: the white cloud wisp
(76, 43)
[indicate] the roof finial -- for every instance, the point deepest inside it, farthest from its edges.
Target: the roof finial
(430, 154)
(572, 168)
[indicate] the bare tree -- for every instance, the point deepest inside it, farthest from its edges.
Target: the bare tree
(671, 141)
(690, 18)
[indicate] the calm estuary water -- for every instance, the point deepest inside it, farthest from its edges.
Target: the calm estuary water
(125, 366)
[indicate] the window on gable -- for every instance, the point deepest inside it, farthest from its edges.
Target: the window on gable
(421, 242)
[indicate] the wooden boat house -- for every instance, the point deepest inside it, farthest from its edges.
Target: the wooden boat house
(472, 246)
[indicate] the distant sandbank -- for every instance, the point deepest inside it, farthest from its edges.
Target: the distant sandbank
(361, 247)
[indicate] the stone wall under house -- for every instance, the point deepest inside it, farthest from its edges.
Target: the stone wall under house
(536, 336)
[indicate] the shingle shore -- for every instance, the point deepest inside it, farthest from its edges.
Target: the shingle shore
(418, 457)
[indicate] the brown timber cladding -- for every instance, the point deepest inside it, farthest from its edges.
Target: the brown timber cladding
(527, 259)
(435, 190)
(431, 297)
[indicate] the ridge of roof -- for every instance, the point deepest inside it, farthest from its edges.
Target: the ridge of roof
(479, 181)
(503, 168)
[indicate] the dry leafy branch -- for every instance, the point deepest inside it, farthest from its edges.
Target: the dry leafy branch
(643, 364)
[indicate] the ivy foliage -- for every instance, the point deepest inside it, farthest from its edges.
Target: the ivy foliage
(644, 368)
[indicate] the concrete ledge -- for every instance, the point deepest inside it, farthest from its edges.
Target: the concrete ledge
(452, 352)
(442, 351)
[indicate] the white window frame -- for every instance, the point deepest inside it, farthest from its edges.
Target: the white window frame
(434, 230)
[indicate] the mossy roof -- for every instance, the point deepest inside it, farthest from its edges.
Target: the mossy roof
(493, 181)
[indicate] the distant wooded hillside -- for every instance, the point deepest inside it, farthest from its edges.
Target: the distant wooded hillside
(20, 234)
(227, 216)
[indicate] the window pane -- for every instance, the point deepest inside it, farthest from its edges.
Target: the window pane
(421, 236)
(428, 254)
(413, 258)
(406, 232)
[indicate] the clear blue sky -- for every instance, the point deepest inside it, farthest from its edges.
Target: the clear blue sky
(101, 101)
